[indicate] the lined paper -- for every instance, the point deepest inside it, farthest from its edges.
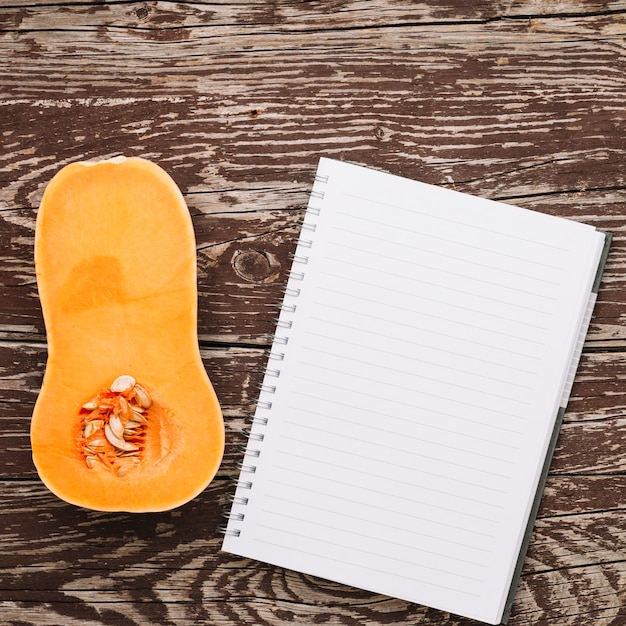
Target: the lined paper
(420, 360)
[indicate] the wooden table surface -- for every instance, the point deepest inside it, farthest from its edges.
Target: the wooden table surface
(517, 100)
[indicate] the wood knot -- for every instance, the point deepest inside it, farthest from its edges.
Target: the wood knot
(142, 12)
(254, 266)
(380, 133)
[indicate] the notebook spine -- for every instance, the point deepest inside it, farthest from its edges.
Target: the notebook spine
(256, 432)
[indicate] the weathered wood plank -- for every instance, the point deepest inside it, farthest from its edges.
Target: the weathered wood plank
(523, 141)
(167, 25)
(186, 13)
(124, 563)
(568, 494)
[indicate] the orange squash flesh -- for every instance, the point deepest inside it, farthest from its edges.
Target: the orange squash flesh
(115, 259)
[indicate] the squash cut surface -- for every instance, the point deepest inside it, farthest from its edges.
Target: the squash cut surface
(115, 259)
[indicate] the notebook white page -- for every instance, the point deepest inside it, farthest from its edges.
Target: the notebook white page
(420, 359)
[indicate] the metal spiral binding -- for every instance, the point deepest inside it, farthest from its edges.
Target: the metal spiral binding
(248, 469)
(237, 499)
(239, 517)
(253, 436)
(295, 275)
(248, 452)
(275, 356)
(254, 432)
(303, 260)
(266, 388)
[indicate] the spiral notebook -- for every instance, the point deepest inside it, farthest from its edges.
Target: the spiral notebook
(423, 357)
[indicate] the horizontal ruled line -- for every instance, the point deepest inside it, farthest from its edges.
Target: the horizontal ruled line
(413, 311)
(438, 253)
(410, 483)
(437, 216)
(335, 481)
(351, 437)
(436, 459)
(377, 427)
(481, 407)
(374, 538)
(421, 297)
(430, 235)
(412, 531)
(398, 512)
(420, 377)
(410, 358)
(378, 570)
(426, 329)
(413, 264)
(437, 348)
(412, 406)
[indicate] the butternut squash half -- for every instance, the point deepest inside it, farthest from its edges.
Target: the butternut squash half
(127, 418)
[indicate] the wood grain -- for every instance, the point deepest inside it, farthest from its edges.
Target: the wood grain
(516, 101)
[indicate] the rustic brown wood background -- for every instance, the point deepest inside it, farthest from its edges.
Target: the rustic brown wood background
(517, 100)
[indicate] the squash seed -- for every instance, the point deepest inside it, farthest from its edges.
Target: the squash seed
(125, 408)
(143, 398)
(133, 454)
(118, 442)
(91, 428)
(122, 383)
(138, 417)
(96, 445)
(116, 426)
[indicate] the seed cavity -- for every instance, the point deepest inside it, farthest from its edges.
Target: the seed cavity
(114, 424)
